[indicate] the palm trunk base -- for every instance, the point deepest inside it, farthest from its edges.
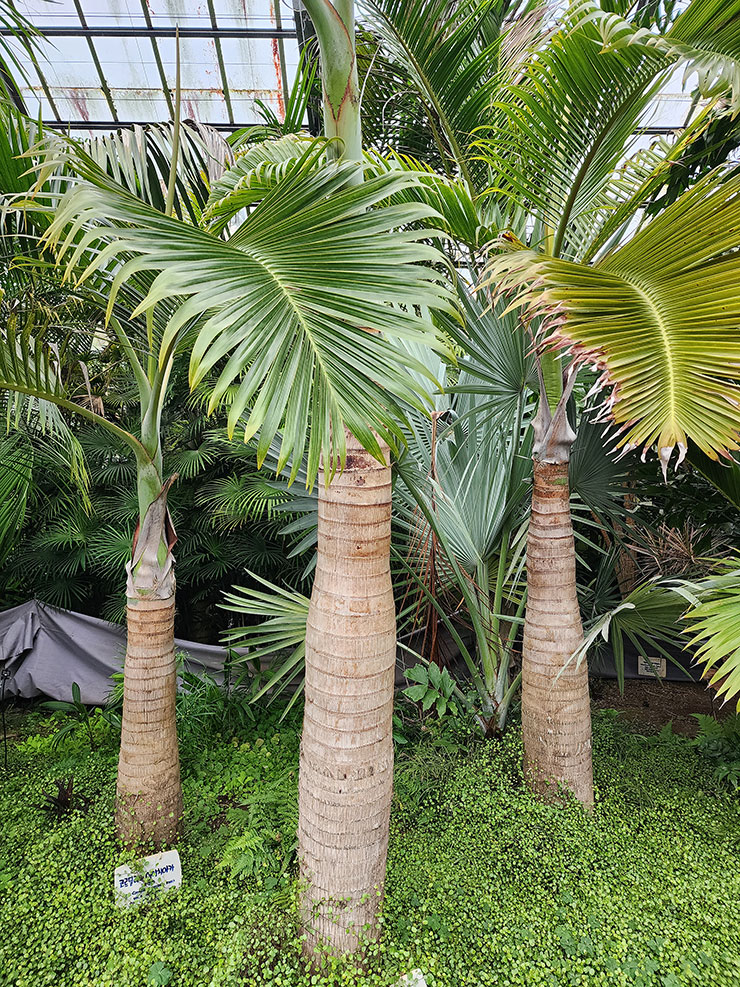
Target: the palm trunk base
(557, 755)
(149, 796)
(556, 708)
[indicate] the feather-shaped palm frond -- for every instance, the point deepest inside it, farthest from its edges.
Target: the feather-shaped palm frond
(17, 33)
(565, 127)
(282, 632)
(256, 171)
(139, 160)
(713, 625)
(16, 472)
(705, 37)
(436, 71)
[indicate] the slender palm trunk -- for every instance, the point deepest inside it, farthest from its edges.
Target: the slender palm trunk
(149, 804)
(346, 765)
(556, 712)
(346, 768)
(556, 709)
(149, 795)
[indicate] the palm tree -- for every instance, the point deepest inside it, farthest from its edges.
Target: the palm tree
(544, 163)
(561, 156)
(345, 783)
(287, 293)
(63, 362)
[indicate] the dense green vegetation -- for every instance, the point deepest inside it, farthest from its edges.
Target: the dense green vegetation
(486, 886)
(455, 307)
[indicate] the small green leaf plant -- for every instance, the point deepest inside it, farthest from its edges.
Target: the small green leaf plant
(434, 687)
(159, 974)
(93, 724)
(719, 742)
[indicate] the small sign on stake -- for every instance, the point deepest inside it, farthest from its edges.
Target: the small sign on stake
(413, 979)
(158, 872)
(651, 666)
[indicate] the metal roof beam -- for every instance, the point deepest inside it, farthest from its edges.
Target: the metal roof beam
(224, 33)
(99, 68)
(128, 124)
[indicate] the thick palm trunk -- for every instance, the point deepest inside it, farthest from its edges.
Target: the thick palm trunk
(346, 767)
(149, 795)
(556, 711)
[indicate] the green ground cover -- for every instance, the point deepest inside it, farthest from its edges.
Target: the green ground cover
(485, 885)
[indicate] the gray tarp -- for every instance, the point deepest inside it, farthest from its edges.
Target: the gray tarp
(46, 649)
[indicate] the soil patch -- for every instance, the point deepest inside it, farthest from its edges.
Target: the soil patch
(648, 704)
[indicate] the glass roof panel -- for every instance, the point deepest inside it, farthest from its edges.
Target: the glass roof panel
(114, 61)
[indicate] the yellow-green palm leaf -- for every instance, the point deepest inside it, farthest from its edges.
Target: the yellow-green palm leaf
(659, 314)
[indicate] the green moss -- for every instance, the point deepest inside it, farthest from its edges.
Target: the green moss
(485, 885)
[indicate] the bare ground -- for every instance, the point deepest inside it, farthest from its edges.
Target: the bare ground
(649, 704)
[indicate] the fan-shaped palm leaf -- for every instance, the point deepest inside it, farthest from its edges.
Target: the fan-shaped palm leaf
(300, 298)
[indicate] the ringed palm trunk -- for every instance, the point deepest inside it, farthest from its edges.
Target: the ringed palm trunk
(556, 711)
(149, 795)
(346, 765)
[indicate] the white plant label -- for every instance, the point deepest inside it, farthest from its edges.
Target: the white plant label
(413, 979)
(651, 666)
(159, 872)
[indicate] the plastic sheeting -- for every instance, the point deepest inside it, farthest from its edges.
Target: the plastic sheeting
(46, 649)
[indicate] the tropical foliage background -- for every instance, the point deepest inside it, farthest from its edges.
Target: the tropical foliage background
(465, 135)
(513, 271)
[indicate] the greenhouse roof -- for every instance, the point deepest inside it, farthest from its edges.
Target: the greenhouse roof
(113, 62)
(104, 63)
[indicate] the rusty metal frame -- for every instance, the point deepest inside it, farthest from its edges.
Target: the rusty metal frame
(280, 46)
(220, 58)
